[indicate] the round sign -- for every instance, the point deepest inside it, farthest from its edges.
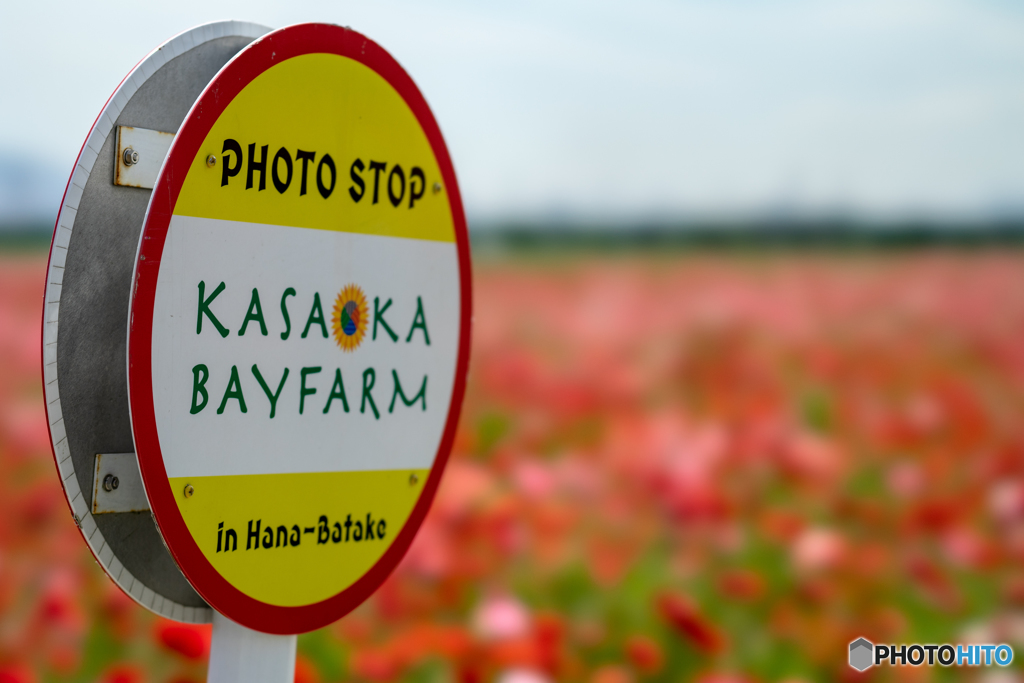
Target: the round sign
(299, 329)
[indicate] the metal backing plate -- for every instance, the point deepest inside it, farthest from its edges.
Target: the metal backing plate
(117, 485)
(146, 149)
(85, 317)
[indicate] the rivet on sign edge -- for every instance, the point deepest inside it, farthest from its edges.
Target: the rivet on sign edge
(189, 490)
(211, 161)
(413, 479)
(437, 187)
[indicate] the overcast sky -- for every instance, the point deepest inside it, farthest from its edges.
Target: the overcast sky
(879, 108)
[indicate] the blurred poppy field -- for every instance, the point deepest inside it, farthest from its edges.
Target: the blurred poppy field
(713, 467)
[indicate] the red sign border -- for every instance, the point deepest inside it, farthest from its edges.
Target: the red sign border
(261, 55)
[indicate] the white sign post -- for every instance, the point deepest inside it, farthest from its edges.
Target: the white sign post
(241, 655)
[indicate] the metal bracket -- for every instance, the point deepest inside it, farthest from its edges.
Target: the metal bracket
(139, 155)
(117, 484)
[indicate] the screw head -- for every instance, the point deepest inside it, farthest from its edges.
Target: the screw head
(189, 490)
(437, 187)
(211, 161)
(413, 479)
(110, 482)
(130, 157)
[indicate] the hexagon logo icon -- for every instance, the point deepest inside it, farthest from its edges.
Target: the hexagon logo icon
(861, 654)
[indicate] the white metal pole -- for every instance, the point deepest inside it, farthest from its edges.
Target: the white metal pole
(241, 655)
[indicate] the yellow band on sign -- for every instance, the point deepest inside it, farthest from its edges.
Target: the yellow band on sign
(351, 157)
(296, 539)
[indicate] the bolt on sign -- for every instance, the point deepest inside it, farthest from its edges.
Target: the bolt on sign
(298, 328)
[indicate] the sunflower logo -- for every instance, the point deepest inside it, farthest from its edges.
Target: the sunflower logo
(349, 318)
